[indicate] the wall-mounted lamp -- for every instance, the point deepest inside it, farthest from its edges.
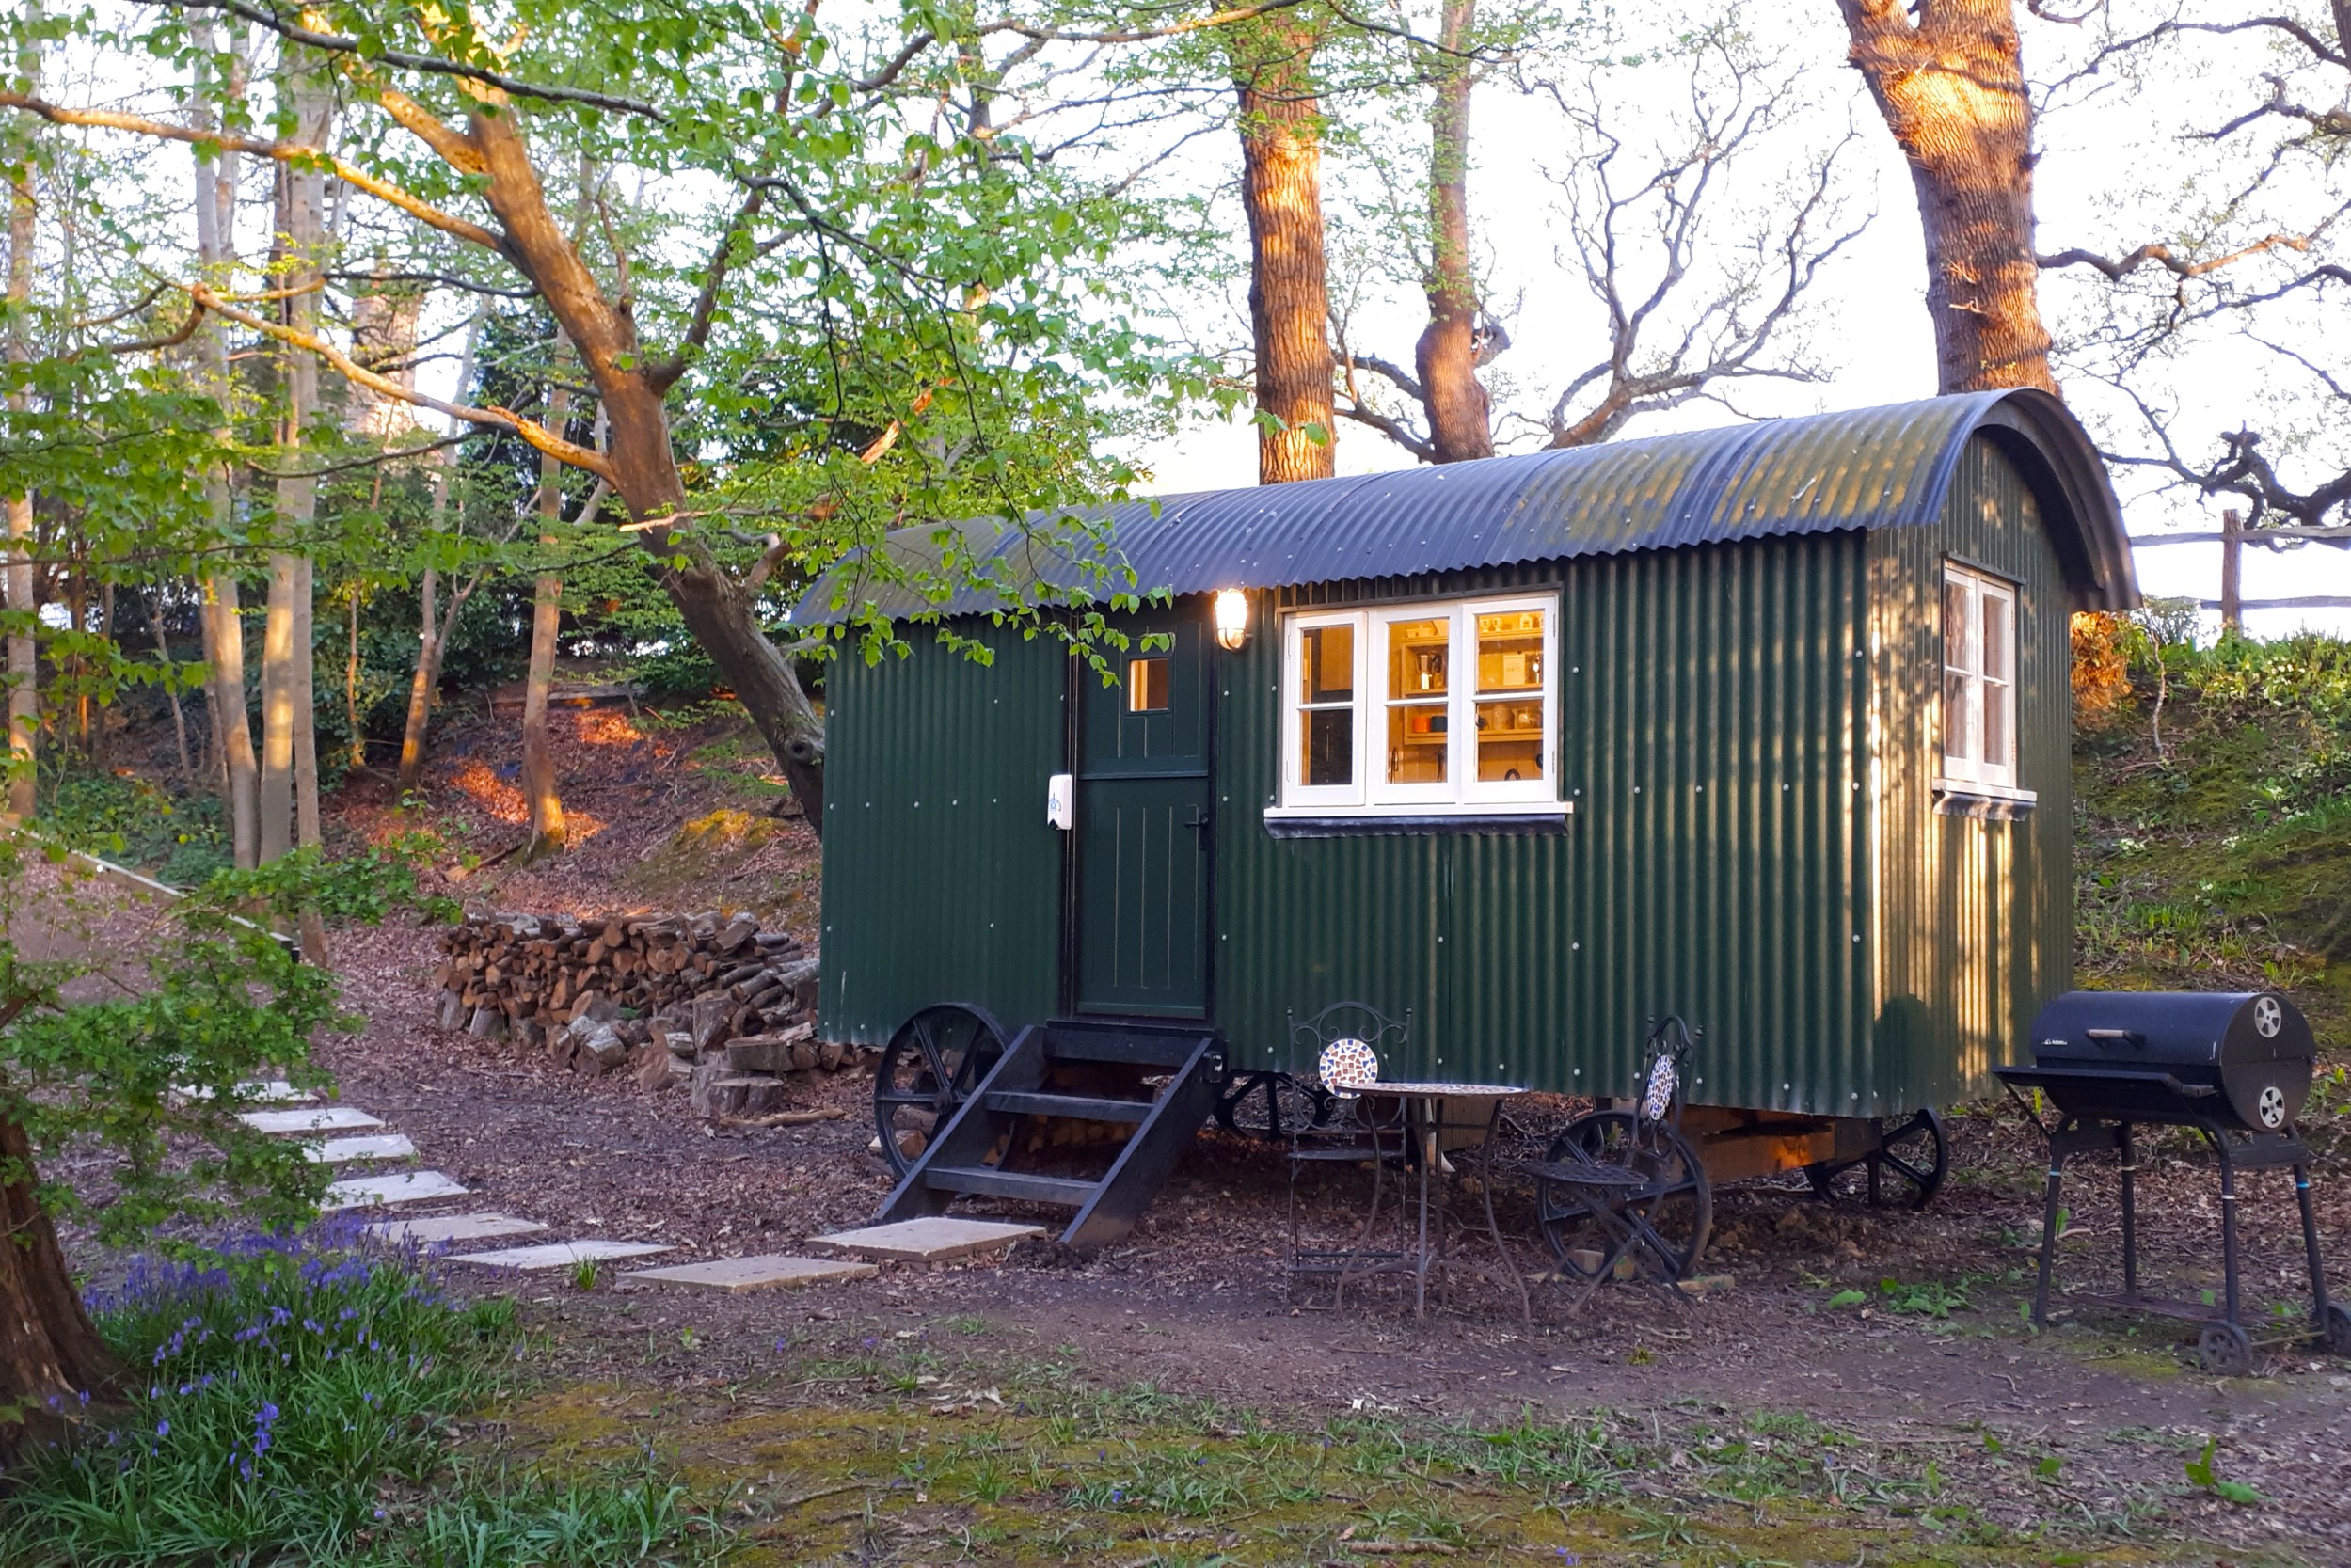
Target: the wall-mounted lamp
(1232, 618)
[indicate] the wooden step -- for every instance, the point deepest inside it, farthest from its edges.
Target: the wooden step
(1023, 1102)
(1136, 1044)
(1009, 1183)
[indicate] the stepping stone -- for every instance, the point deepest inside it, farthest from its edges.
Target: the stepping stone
(451, 1227)
(755, 1274)
(928, 1240)
(327, 1119)
(375, 1146)
(414, 1186)
(557, 1255)
(276, 1091)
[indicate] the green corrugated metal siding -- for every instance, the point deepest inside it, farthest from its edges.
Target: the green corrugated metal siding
(1977, 917)
(942, 880)
(1748, 736)
(1710, 715)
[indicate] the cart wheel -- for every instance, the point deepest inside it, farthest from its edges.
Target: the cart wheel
(1676, 1204)
(1907, 1167)
(1271, 1106)
(931, 1065)
(2224, 1350)
(2334, 1332)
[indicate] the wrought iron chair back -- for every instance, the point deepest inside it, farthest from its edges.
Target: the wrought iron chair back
(1664, 1075)
(1312, 1038)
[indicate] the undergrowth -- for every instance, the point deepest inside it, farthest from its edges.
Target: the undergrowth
(299, 1407)
(2214, 828)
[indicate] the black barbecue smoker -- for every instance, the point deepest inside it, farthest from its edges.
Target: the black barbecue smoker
(2235, 1066)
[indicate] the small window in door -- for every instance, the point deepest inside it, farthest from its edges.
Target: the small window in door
(1147, 685)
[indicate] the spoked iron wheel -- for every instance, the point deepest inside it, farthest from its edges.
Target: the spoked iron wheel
(1672, 1203)
(1271, 1106)
(1907, 1168)
(930, 1067)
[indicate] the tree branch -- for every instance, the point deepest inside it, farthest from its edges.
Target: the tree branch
(2161, 255)
(507, 419)
(336, 43)
(284, 152)
(661, 377)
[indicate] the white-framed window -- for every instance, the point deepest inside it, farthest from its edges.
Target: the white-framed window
(1978, 679)
(1449, 706)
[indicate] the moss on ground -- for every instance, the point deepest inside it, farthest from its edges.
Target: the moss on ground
(911, 1453)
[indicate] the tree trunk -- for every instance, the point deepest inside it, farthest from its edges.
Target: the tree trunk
(49, 1348)
(431, 635)
(1951, 88)
(355, 757)
(24, 662)
(1446, 358)
(289, 788)
(547, 612)
(723, 618)
(277, 785)
(163, 651)
(1281, 161)
(217, 610)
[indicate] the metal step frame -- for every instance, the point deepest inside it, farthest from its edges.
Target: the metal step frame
(955, 1159)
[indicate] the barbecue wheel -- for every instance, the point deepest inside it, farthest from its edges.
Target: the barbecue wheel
(2224, 1350)
(1272, 1105)
(2334, 1331)
(930, 1067)
(1907, 1167)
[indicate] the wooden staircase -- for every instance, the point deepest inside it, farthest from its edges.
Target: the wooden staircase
(1041, 1126)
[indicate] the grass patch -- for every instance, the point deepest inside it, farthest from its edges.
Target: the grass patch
(1066, 1471)
(302, 1407)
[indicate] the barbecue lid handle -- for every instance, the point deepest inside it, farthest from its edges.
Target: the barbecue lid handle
(2117, 1036)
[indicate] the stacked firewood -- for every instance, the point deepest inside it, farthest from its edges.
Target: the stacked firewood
(707, 999)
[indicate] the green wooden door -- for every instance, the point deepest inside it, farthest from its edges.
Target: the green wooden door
(1143, 825)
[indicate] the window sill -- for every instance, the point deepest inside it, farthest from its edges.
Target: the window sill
(1987, 803)
(1549, 816)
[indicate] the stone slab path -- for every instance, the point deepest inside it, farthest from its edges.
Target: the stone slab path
(373, 1146)
(430, 1229)
(929, 1240)
(932, 1239)
(327, 1119)
(414, 1186)
(556, 1255)
(753, 1273)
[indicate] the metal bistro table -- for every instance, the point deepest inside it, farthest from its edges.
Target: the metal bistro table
(1439, 1116)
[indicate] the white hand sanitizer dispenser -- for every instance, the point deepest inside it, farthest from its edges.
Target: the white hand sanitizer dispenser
(1061, 801)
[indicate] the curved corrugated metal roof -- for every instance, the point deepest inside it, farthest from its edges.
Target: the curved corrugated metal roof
(1864, 468)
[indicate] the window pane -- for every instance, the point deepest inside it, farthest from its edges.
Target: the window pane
(1510, 740)
(1956, 625)
(1146, 685)
(1328, 746)
(1999, 610)
(1510, 651)
(1327, 664)
(1958, 734)
(1996, 747)
(1416, 657)
(1416, 742)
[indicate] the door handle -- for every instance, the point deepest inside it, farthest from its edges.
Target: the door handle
(1198, 821)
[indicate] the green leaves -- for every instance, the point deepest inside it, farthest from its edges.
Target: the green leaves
(2200, 1472)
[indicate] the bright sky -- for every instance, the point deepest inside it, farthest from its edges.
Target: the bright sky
(1871, 331)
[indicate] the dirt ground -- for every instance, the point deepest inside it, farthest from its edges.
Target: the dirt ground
(1194, 1303)
(1896, 1329)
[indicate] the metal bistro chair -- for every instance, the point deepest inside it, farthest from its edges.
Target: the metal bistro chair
(1618, 1184)
(1336, 1053)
